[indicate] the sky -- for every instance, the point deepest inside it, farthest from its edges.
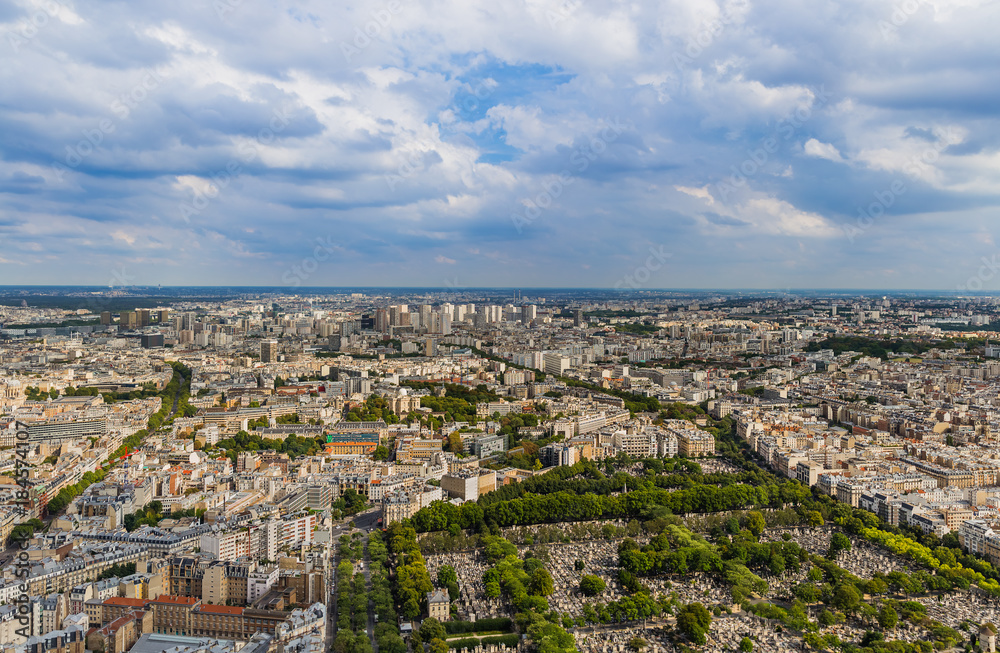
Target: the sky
(515, 143)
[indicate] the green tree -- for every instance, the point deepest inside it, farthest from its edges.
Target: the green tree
(755, 523)
(746, 645)
(839, 542)
(592, 585)
(432, 629)
(446, 576)
(847, 598)
(693, 621)
(887, 617)
(541, 583)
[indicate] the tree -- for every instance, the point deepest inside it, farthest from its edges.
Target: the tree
(847, 598)
(755, 523)
(438, 646)
(693, 621)
(446, 576)
(541, 583)
(887, 617)
(814, 518)
(839, 542)
(432, 629)
(746, 645)
(579, 565)
(381, 453)
(592, 585)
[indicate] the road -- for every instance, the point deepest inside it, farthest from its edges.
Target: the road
(371, 604)
(365, 522)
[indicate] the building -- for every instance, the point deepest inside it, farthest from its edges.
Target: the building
(346, 444)
(226, 546)
(464, 484)
(438, 605)
(269, 351)
(693, 443)
(71, 639)
(56, 431)
(555, 364)
(121, 634)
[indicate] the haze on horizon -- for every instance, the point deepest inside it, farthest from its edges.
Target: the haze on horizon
(552, 143)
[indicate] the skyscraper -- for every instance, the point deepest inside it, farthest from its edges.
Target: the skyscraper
(268, 351)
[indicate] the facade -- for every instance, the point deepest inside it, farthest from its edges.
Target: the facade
(438, 605)
(693, 443)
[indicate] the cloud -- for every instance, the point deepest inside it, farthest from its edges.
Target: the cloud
(454, 116)
(822, 150)
(702, 193)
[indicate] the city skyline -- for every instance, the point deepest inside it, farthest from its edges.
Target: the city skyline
(559, 144)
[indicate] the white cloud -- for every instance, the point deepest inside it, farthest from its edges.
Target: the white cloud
(826, 151)
(702, 193)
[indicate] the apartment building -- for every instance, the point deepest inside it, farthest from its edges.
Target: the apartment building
(226, 546)
(693, 443)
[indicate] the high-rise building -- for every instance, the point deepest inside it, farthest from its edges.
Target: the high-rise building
(269, 351)
(128, 320)
(145, 317)
(578, 317)
(528, 313)
(425, 316)
(164, 315)
(555, 364)
(105, 317)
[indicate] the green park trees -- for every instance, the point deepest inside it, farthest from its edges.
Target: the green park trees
(693, 621)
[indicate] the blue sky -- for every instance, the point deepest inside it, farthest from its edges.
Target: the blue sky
(515, 143)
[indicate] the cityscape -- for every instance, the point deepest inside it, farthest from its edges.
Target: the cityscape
(526, 326)
(383, 470)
